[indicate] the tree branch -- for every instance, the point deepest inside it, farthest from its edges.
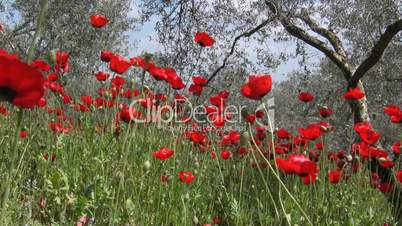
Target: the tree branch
(376, 52)
(237, 38)
(329, 35)
(301, 34)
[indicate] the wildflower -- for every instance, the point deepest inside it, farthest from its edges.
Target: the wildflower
(354, 94)
(306, 97)
(334, 176)
(186, 177)
(226, 154)
(257, 86)
(99, 21)
(163, 154)
(203, 39)
(20, 84)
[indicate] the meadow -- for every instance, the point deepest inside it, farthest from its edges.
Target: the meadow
(100, 158)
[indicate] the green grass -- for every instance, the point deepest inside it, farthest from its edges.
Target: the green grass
(115, 181)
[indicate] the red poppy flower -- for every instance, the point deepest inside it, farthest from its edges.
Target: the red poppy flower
(158, 73)
(367, 151)
(20, 83)
(362, 127)
(62, 59)
(87, 100)
(309, 179)
(195, 89)
(297, 164)
(128, 115)
(4, 53)
(397, 118)
(312, 132)
(283, 134)
(386, 163)
(101, 76)
(3, 110)
(199, 80)
(163, 154)
(396, 147)
(106, 55)
(180, 98)
(66, 99)
(56, 88)
(41, 65)
(217, 101)
(42, 102)
(52, 77)
(224, 94)
(306, 97)
(23, 134)
(62, 125)
(242, 151)
(385, 187)
(391, 110)
(128, 94)
(234, 137)
(369, 136)
(216, 220)
(203, 39)
(259, 114)
(99, 21)
(217, 120)
(257, 86)
(353, 94)
(197, 137)
(186, 177)
(119, 64)
(141, 62)
(118, 81)
(334, 176)
(319, 145)
(100, 102)
(325, 112)
(250, 118)
(176, 82)
(398, 175)
(226, 154)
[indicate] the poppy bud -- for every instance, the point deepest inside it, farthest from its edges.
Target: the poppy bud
(244, 138)
(349, 158)
(147, 165)
(195, 220)
(382, 159)
(325, 129)
(52, 56)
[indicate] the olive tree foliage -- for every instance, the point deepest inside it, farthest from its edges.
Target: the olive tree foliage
(67, 28)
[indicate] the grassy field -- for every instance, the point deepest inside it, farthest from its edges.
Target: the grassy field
(69, 159)
(114, 180)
